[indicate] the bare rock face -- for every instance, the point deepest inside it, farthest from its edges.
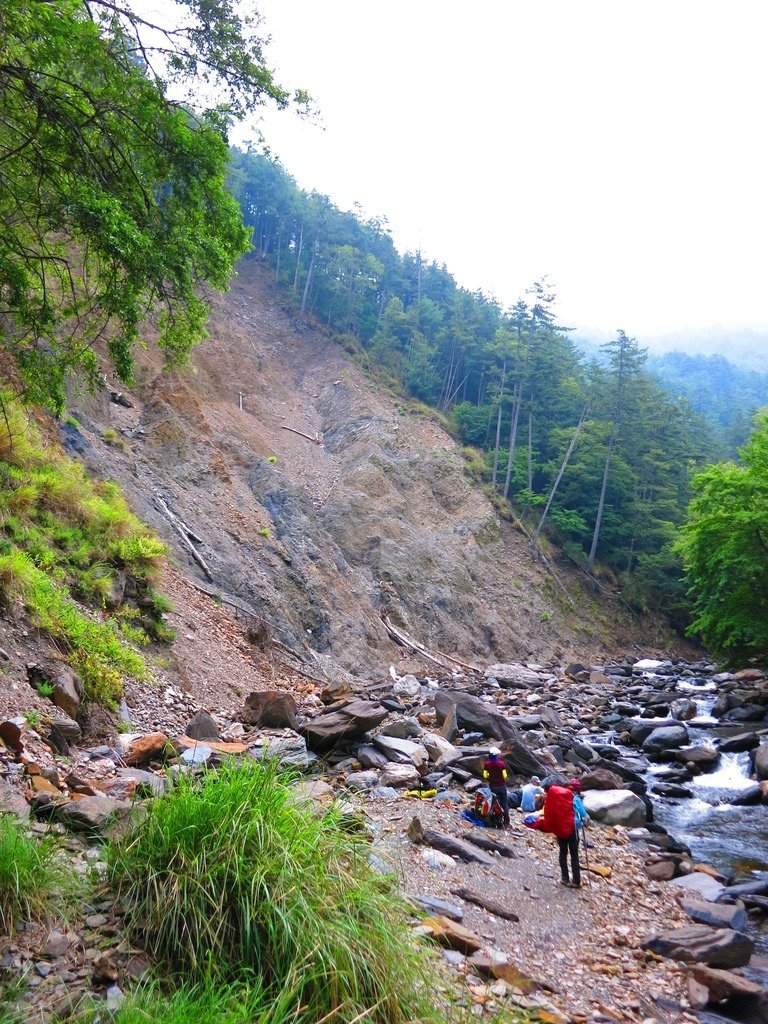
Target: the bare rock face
(270, 709)
(697, 943)
(349, 723)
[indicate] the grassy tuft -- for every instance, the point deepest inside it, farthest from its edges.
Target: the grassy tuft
(228, 874)
(65, 538)
(32, 878)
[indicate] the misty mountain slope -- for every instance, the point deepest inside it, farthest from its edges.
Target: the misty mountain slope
(320, 539)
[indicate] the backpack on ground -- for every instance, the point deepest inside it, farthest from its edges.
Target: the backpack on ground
(487, 808)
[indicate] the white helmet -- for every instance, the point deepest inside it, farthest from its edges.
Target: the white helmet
(494, 751)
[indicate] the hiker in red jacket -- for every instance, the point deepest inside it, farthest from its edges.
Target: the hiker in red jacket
(559, 819)
(495, 773)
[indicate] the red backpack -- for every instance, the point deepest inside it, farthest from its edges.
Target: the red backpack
(488, 808)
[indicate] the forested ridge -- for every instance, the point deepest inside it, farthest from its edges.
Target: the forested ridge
(618, 436)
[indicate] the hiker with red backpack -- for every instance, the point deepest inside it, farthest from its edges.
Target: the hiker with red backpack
(495, 773)
(559, 818)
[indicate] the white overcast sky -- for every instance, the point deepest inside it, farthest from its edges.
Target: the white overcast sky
(619, 147)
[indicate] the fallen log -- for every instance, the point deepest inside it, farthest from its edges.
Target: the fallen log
(477, 839)
(446, 661)
(448, 844)
(314, 440)
(485, 902)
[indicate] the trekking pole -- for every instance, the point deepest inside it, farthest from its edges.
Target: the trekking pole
(586, 854)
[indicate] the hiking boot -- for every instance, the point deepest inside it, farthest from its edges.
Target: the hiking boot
(566, 882)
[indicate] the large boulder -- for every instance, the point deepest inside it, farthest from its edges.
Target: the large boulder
(440, 750)
(401, 751)
(669, 738)
(514, 676)
(270, 709)
(350, 722)
(475, 715)
(601, 778)
(615, 807)
(700, 885)
(700, 944)
(761, 762)
(202, 727)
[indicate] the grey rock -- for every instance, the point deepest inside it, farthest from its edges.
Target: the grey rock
(202, 727)
(698, 883)
(97, 816)
(403, 728)
(68, 728)
(67, 687)
(615, 807)
(370, 757)
(197, 755)
(698, 943)
(717, 915)
(386, 793)
(362, 781)
(348, 723)
(473, 714)
(761, 762)
(12, 800)
(399, 775)
(514, 675)
(435, 906)
(147, 783)
(290, 751)
(401, 751)
(665, 739)
(701, 757)
(407, 686)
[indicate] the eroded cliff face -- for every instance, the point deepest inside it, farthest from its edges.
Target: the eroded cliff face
(360, 508)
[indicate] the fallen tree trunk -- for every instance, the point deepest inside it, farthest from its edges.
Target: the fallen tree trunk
(489, 844)
(436, 657)
(448, 844)
(485, 902)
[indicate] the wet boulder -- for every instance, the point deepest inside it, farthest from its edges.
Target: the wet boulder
(615, 807)
(668, 738)
(761, 762)
(601, 778)
(701, 758)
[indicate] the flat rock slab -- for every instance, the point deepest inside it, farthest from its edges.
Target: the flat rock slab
(705, 886)
(697, 943)
(725, 984)
(717, 915)
(401, 751)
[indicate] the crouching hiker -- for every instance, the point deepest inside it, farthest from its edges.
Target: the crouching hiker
(559, 819)
(495, 773)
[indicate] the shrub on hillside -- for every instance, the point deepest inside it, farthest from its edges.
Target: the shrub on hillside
(228, 874)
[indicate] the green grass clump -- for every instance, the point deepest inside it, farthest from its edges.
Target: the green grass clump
(33, 880)
(95, 649)
(66, 538)
(222, 1004)
(228, 875)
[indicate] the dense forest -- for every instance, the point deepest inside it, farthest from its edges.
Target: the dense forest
(597, 451)
(726, 396)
